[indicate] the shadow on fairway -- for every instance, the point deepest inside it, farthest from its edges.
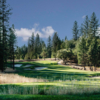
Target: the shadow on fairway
(52, 72)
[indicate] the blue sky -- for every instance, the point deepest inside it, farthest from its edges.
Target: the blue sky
(47, 16)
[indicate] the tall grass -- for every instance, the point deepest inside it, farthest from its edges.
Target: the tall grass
(15, 78)
(51, 90)
(61, 87)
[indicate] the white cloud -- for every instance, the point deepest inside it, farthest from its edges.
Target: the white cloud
(48, 31)
(83, 16)
(25, 33)
(98, 32)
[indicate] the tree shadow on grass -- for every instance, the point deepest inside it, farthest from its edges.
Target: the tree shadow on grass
(53, 71)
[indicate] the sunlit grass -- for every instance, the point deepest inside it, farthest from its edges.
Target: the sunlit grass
(55, 79)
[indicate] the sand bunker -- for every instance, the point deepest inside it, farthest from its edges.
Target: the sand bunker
(18, 65)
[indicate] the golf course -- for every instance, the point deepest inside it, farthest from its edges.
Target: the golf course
(49, 50)
(53, 81)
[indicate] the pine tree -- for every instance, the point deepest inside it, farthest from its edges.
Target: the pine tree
(32, 46)
(65, 38)
(12, 41)
(49, 45)
(44, 53)
(81, 31)
(4, 18)
(37, 46)
(75, 31)
(29, 49)
(82, 51)
(93, 25)
(32, 42)
(55, 44)
(86, 27)
(23, 50)
(93, 52)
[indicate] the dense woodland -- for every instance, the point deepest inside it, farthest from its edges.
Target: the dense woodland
(83, 48)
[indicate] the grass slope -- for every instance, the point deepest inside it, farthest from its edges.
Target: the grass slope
(56, 80)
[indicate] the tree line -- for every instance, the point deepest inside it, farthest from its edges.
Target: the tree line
(83, 49)
(38, 49)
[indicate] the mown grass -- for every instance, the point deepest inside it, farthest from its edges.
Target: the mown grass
(59, 80)
(54, 71)
(50, 97)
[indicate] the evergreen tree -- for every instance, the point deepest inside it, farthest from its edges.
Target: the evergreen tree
(32, 42)
(93, 52)
(29, 49)
(93, 25)
(86, 27)
(65, 38)
(12, 41)
(82, 51)
(32, 46)
(75, 31)
(63, 44)
(44, 53)
(23, 50)
(55, 44)
(37, 46)
(81, 31)
(59, 44)
(4, 20)
(49, 45)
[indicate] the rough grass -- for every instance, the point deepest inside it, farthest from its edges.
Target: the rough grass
(54, 80)
(15, 78)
